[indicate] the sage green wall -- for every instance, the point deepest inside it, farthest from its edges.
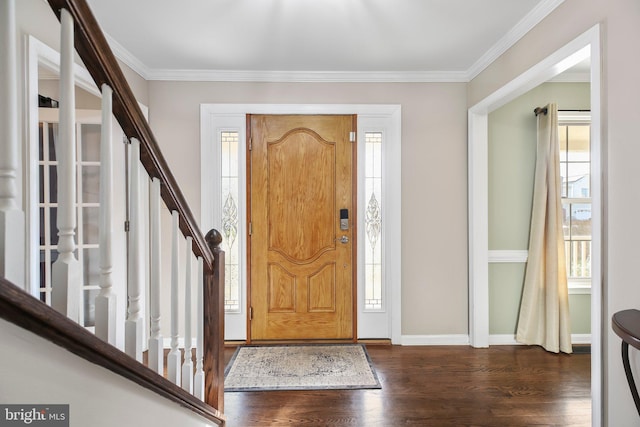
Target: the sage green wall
(512, 156)
(505, 290)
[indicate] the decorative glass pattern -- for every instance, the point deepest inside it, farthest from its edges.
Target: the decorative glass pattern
(230, 219)
(373, 220)
(374, 283)
(229, 141)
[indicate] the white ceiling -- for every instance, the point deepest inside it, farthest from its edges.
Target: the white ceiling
(399, 40)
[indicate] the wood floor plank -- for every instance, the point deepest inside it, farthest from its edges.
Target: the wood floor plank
(437, 386)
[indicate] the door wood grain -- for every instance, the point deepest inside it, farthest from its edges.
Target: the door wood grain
(301, 273)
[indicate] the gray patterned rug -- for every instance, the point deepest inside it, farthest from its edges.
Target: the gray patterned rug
(300, 367)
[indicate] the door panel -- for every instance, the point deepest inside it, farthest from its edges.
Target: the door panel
(301, 273)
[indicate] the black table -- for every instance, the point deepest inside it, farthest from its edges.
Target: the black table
(626, 324)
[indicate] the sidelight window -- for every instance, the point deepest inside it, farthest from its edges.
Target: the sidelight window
(374, 284)
(229, 142)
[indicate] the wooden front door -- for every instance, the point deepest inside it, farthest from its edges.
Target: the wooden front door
(302, 281)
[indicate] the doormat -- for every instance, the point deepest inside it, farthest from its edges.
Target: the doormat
(300, 367)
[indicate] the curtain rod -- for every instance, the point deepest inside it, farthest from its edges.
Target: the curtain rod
(543, 110)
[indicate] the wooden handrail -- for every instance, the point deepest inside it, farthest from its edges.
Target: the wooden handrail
(93, 48)
(22, 309)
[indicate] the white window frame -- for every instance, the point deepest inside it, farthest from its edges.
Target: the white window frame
(385, 324)
(577, 286)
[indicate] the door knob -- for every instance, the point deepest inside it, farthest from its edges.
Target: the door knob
(344, 239)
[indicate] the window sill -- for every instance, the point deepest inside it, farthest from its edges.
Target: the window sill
(579, 287)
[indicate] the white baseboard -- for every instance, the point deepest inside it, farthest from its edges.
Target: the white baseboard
(460, 339)
(580, 338)
(503, 339)
(508, 339)
(454, 339)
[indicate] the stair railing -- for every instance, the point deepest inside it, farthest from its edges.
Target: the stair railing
(81, 33)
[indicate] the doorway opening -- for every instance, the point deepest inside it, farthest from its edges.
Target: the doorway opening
(585, 46)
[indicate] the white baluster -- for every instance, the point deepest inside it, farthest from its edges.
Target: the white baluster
(173, 359)
(12, 259)
(198, 381)
(134, 322)
(106, 300)
(156, 348)
(187, 366)
(66, 272)
(9, 147)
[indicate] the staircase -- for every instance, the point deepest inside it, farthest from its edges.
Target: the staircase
(58, 310)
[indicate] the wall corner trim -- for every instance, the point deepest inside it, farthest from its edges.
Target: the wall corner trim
(505, 256)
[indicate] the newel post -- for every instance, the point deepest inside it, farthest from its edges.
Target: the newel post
(214, 324)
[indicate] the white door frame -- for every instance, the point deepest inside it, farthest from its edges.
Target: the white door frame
(385, 118)
(584, 46)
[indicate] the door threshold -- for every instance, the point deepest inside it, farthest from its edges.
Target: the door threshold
(377, 341)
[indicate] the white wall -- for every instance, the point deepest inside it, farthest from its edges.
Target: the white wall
(620, 23)
(35, 371)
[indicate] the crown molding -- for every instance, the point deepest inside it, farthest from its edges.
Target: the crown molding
(532, 19)
(128, 58)
(309, 76)
(283, 76)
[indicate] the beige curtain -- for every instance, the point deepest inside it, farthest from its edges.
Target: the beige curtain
(544, 310)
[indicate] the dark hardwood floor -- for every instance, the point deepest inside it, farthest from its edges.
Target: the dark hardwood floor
(437, 386)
